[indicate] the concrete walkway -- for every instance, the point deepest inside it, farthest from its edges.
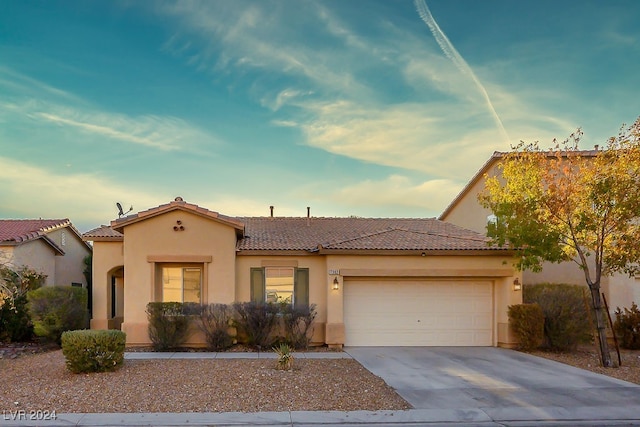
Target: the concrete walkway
(453, 408)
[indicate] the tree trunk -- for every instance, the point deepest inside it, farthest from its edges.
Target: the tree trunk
(601, 327)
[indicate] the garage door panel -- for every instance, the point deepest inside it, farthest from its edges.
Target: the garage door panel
(418, 313)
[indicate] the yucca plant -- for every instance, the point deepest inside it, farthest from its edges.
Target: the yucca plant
(285, 357)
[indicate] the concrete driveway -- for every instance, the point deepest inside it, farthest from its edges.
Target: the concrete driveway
(505, 385)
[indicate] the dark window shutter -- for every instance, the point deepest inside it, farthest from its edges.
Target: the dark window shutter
(301, 288)
(257, 285)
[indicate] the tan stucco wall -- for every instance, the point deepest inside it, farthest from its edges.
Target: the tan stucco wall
(107, 256)
(39, 256)
(153, 241)
(468, 212)
(69, 267)
(318, 282)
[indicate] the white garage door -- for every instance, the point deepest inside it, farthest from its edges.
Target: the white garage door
(389, 312)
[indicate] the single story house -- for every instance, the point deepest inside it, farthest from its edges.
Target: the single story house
(50, 246)
(382, 281)
(466, 211)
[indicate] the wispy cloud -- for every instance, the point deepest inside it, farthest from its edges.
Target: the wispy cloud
(45, 105)
(450, 51)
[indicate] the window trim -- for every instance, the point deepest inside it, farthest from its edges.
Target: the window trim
(156, 278)
(257, 282)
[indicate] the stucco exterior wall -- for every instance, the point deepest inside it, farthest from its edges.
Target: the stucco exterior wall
(69, 267)
(150, 243)
(319, 283)
(107, 257)
(39, 256)
(468, 212)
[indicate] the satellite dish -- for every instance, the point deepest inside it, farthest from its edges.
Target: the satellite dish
(120, 211)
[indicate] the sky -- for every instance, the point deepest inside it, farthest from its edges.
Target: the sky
(377, 108)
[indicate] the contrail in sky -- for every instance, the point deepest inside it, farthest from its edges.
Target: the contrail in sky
(457, 59)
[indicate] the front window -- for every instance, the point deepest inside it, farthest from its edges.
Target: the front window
(181, 284)
(279, 285)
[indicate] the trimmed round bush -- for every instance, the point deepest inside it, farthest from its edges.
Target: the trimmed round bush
(93, 350)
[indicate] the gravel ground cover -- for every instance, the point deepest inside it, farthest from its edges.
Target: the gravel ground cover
(42, 382)
(588, 358)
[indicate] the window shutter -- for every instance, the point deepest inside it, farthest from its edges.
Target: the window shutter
(257, 285)
(301, 288)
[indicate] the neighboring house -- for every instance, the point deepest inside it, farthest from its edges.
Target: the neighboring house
(398, 282)
(50, 246)
(465, 211)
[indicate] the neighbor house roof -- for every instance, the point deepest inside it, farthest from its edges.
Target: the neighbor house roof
(17, 231)
(327, 235)
(495, 157)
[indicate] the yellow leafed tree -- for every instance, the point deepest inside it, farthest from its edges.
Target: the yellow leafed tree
(564, 205)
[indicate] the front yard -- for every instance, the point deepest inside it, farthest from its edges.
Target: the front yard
(41, 382)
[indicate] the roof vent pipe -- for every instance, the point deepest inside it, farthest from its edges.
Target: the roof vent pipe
(308, 214)
(271, 208)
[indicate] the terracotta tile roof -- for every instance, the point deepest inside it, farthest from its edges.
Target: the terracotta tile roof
(320, 234)
(317, 234)
(104, 232)
(22, 230)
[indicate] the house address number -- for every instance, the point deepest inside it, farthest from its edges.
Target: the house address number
(337, 272)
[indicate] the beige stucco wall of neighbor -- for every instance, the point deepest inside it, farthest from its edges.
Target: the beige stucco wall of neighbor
(152, 242)
(38, 255)
(107, 258)
(468, 212)
(69, 267)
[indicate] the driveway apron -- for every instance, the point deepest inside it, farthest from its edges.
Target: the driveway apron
(491, 378)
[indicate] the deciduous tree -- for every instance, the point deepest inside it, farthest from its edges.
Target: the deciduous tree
(565, 204)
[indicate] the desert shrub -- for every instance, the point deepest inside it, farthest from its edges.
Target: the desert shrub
(527, 321)
(93, 351)
(169, 326)
(257, 321)
(214, 321)
(627, 327)
(297, 324)
(566, 314)
(15, 322)
(285, 357)
(56, 309)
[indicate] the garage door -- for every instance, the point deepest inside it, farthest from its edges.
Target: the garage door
(418, 312)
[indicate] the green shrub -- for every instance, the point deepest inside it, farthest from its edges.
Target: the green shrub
(527, 322)
(169, 326)
(93, 351)
(297, 324)
(566, 314)
(56, 309)
(257, 321)
(15, 323)
(214, 321)
(627, 327)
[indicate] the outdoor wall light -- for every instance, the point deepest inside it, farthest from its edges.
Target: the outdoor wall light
(336, 284)
(517, 285)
